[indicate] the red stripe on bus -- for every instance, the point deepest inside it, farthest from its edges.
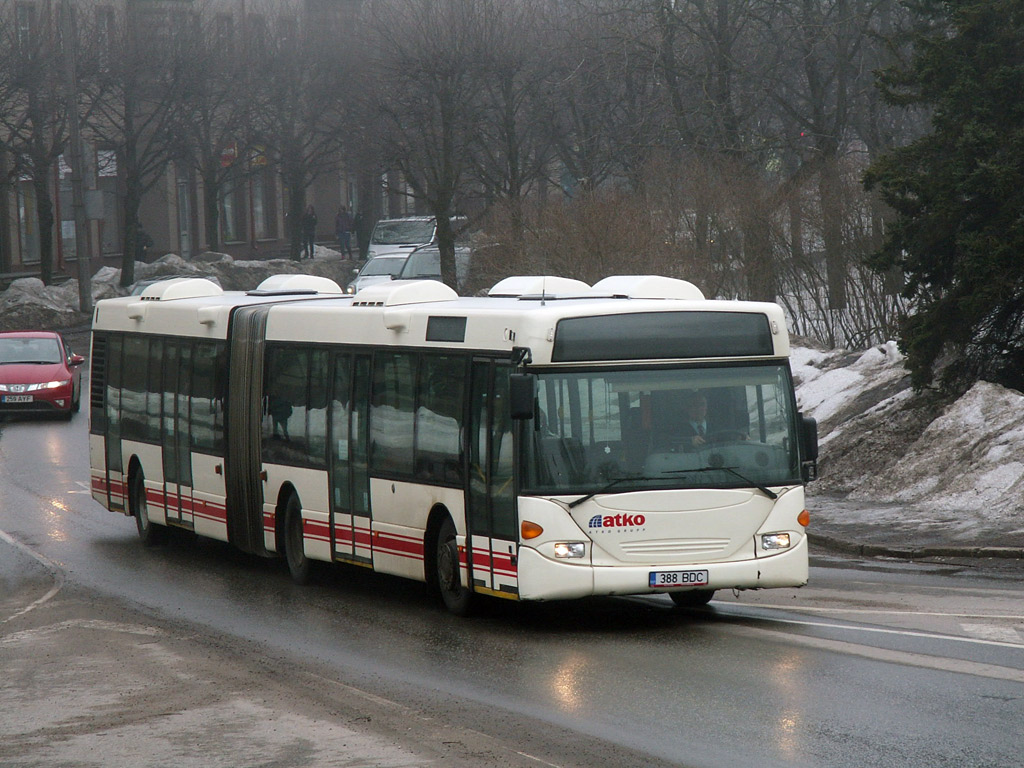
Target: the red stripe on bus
(396, 544)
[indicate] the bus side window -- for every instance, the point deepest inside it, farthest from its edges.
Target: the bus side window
(439, 419)
(391, 412)
(285, 434)
(316, 416)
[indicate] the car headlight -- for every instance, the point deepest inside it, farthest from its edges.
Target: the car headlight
(47, 385)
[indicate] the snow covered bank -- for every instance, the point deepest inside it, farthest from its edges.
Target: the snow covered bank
(959, 465)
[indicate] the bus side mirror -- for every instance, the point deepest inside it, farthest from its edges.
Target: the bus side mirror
(809, 446)
(522, 391)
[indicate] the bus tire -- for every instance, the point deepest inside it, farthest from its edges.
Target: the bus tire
(150, 534)
(694, 598)
(457, 598)
(299, 566)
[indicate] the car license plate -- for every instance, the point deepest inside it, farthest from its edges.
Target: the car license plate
(678, 578)
(17, 398)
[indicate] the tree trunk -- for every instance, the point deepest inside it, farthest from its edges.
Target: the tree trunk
(44, 217)
(296, 206)
(832, 234)
(211, 205)
(5, 227)
(132, 202)
(757, 251)
(446, 247)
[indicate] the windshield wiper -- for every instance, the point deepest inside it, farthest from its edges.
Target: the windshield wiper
(763, 488)
(607, 488)
(586, 497)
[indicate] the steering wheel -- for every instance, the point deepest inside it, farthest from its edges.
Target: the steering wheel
(726, 436)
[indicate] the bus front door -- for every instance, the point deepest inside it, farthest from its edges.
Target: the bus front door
(491, 507)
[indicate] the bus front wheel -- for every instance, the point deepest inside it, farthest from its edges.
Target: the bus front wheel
(457, 598)
(695, 598)
(299, 566)
(150, 534)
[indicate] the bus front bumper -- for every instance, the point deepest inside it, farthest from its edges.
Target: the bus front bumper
(541, 578)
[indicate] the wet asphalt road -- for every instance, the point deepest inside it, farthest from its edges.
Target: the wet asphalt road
(197, 654)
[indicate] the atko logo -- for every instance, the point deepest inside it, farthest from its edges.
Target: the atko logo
(617, 521)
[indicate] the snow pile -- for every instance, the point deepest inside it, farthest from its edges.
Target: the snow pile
(28, 303)
(956, 464)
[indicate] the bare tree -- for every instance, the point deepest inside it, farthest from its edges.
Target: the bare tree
(299, 86)
(430, 55)
(136, 97)
(217, 110)
(32, 111)
(510, 147)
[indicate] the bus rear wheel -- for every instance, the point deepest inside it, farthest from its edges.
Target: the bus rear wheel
(457, 598)
(694, 598)
(299, 566)
(150, 534)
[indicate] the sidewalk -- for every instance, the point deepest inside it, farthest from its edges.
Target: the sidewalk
(908, 532)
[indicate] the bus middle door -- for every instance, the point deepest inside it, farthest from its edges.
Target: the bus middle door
(174, 433)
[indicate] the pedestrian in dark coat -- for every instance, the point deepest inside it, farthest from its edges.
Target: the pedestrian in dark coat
(343, 229)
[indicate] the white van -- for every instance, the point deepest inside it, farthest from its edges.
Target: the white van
(404, 235)
(401, 236)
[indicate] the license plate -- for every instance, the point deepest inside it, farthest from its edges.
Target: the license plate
(17, 398)
(678, 578)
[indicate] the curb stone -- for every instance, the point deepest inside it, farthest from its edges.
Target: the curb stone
(913, 553)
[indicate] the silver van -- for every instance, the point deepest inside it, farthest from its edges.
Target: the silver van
(401, 236)
(404, 235)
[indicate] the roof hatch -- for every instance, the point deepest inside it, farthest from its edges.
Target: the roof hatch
(538, 285)
(292, 284)
(648, 287)
(180, 288)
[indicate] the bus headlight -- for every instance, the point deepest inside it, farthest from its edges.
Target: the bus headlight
(771, 541)
(570, 549)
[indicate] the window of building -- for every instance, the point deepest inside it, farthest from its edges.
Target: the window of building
(224, 32)
(25, 25)
(105, 32)
(231, 211)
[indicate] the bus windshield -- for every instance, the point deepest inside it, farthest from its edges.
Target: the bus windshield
(658, 428)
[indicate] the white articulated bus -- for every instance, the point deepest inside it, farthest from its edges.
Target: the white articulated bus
(550, 440)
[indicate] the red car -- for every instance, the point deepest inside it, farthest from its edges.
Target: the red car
(39, 374)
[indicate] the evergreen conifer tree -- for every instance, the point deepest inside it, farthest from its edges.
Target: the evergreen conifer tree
(958, 194)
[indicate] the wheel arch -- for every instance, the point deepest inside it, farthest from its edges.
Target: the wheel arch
(285, 492)
(435, 518)
(134, 469)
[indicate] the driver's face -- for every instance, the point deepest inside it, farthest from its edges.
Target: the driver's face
(698, 408)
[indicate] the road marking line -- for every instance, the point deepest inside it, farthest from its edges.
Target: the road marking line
(53, 568)
(877, 630)
(883, 611)
(85, 488)
(992, 632)
(912, 658)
